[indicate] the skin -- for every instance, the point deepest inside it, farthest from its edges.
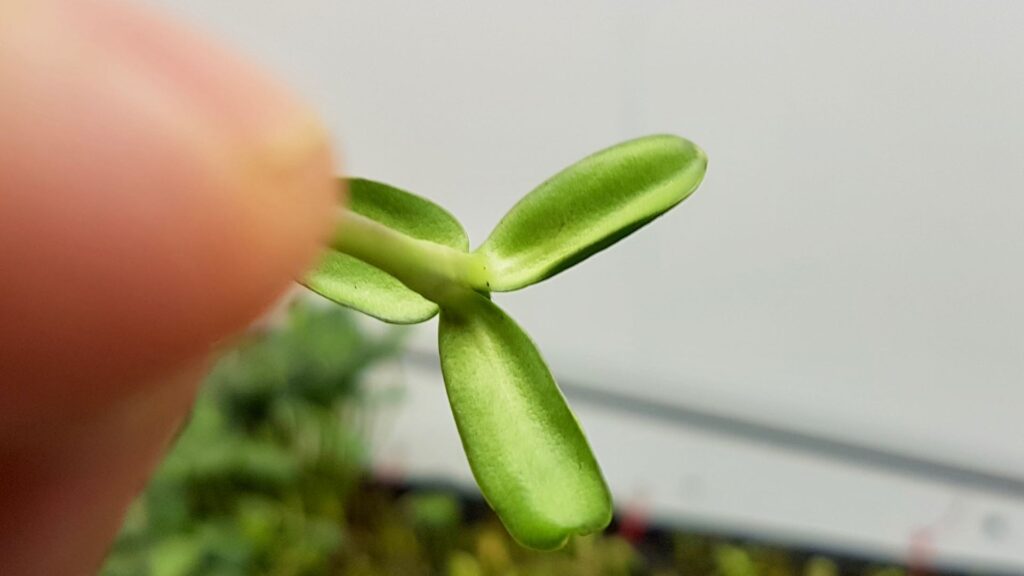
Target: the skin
(157, 194)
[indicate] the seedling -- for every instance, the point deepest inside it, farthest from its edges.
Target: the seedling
(403, 259)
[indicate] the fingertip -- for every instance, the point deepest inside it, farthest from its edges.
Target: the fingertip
(157, 197)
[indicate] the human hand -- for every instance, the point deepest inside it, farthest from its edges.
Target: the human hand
(156, 195)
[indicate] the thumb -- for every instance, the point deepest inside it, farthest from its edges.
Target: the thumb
(156, 194)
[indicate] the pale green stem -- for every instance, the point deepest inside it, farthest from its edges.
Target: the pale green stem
(439, 273)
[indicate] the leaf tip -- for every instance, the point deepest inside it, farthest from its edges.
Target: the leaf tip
(554, 537)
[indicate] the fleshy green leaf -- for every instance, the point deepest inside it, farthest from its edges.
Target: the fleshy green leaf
(524, 445)
(590, 206)
(356, 284)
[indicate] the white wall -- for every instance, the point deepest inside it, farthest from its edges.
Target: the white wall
(851, 269)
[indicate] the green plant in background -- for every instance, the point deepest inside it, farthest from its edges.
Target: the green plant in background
(403, 259)
(256, 481)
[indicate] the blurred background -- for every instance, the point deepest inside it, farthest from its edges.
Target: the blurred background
(818, 355)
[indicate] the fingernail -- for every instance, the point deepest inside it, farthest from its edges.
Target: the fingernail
(234, 96)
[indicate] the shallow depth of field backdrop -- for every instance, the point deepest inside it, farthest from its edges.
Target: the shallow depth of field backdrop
(825, 345)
